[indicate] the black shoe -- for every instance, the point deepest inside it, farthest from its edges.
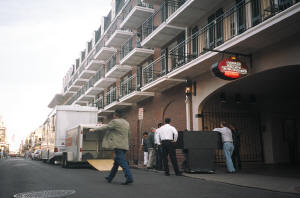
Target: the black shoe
(127, 182)
(107, 179)
(167, 174)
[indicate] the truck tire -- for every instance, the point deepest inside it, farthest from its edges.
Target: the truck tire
(64, 161)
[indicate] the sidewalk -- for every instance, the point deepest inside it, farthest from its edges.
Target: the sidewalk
(267, 178)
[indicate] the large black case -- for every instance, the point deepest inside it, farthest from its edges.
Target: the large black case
(199, 148)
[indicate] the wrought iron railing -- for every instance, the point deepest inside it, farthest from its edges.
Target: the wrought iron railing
(111, 96)
(128, 86)
(167, 8)
(100, 102)
(127, 47)
(111, 63)
(99, 45)
(154, 70)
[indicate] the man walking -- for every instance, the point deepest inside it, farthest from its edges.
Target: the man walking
(168, 136)
(117, 138)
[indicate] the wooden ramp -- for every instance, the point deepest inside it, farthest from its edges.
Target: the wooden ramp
(102, 164)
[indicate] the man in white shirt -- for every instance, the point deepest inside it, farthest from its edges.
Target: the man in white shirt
(227, 145)
(168, 136)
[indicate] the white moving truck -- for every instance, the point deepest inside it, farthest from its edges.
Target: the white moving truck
(59, 120)
(83, 146)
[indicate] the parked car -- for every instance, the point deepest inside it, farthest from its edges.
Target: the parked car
(36, 155)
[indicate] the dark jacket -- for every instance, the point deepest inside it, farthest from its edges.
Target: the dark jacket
(150, 140)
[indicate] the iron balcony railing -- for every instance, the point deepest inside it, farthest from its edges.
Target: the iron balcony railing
(111, 63)
(155, 70)
(99, 45)
(223, 28)
(130, 5)
(167, 8)
(100, 102)
(113, 27)
(127, 47)
(111, 96)
(129, 85)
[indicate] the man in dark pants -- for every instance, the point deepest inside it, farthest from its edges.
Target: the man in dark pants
(117, 138)
(236, 160)
(159, 163)
(168, 136)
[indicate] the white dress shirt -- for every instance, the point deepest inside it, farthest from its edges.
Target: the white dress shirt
(226, 134)
(168, 132)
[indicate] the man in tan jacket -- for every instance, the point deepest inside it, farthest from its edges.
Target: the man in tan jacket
(117, 138)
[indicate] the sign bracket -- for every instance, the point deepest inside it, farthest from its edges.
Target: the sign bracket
(231, 53)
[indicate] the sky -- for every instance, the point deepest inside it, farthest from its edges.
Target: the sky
(39, 41)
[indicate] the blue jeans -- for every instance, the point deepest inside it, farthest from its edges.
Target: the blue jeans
(120, 161)
(228, 150)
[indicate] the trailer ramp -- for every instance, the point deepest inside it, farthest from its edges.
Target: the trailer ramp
(102, 164)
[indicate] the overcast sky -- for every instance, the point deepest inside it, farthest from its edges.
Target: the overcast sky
(39, 41)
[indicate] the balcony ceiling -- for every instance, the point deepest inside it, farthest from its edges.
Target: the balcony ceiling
(137, 16)
(94, 65)
(93, 91)
(80, 82)
(105, 53)
(162, 84)
(117, 105)
(104, 82)
(136, 56)
(74, 88)
(153, 1)
(58, 99)
(103, 112)
(161, 36)
(118, 71)
(86, 98)
(87, 74)
(136, 96)
(191, 11)
(118, 38)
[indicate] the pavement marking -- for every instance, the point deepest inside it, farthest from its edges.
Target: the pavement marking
(45, 194)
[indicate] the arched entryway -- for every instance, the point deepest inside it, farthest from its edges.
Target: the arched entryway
(265, 107)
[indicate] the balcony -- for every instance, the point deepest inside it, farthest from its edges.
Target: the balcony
(133, 54)
(58, 99)
(100, 102)
(103, 53)
(87, 74)
(135, 13)
(116, 37)
(91, 90)
(156, 32)
(246, 35)
(101, 81)
(103, 112)
(112, 102)
(94, 65)
(116, 71)
(130, 90)
(184, 13)
(155, 76)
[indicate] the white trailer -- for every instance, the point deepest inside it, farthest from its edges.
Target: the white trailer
(59, 120)
(83, 146)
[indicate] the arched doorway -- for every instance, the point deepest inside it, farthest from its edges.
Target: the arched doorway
(265, 108)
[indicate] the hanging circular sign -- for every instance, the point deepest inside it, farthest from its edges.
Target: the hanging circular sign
(229, 69)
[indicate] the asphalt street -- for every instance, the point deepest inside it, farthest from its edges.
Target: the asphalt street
(18, 175)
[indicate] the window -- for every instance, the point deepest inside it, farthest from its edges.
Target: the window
(241, 16)
(194, 37)
(255, 8)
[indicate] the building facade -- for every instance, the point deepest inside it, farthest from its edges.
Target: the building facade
(4, 146)
(157, 55)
